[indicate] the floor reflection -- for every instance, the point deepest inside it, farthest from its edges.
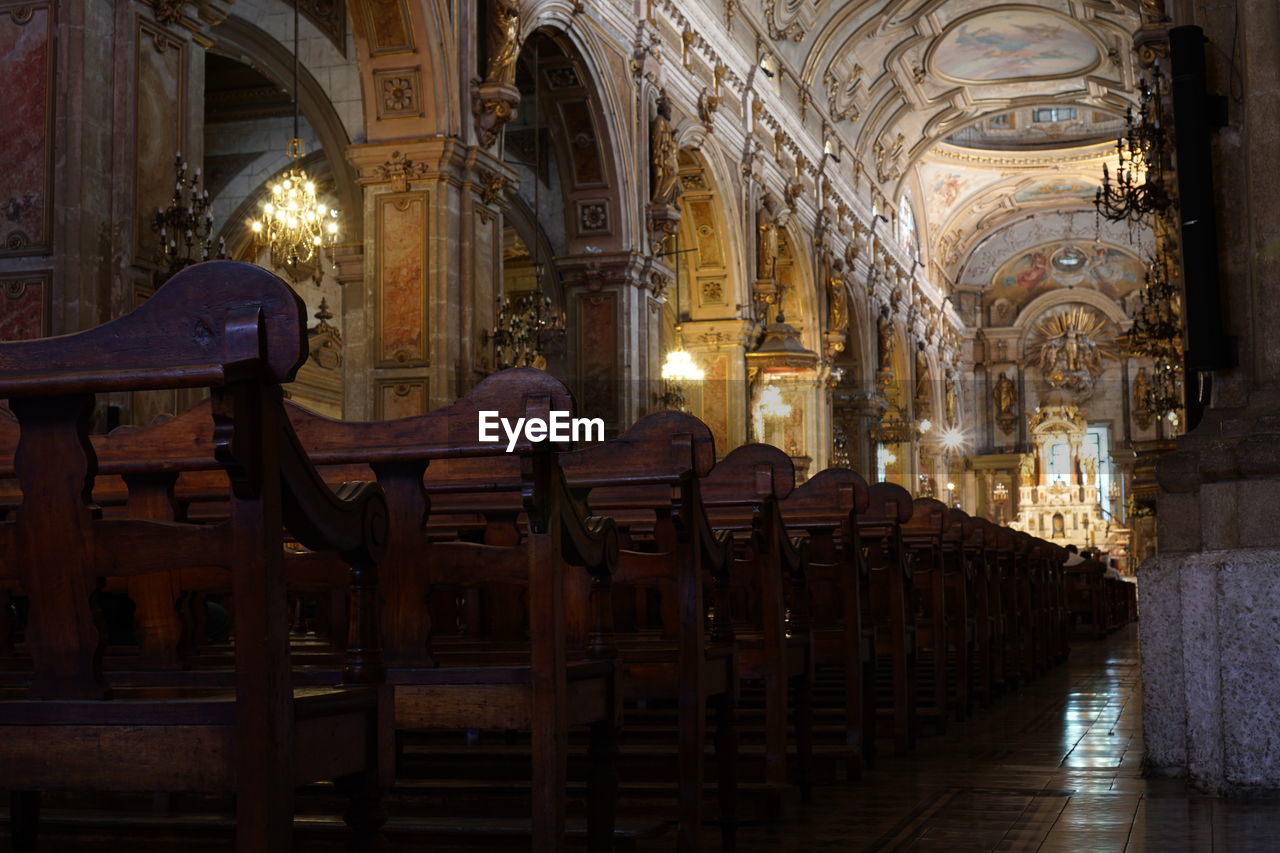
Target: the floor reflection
(1055, 766)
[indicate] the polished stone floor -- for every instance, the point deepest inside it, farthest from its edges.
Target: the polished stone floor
(1055, 766)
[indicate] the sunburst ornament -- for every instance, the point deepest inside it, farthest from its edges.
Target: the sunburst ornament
(1070, 352)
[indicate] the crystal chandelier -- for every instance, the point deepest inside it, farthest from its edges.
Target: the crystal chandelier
(1138, 189)
(1157, 334)
(295, 224)
(519, 336)
(678, 369)
(185, 227)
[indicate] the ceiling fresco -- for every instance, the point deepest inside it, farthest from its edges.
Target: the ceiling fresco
(1013, 45)
(1066, 263)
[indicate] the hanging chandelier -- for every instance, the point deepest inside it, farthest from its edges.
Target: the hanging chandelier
(295, 225)
(185, 227)
(1138, 189)
(523, 329)
(1156, 333)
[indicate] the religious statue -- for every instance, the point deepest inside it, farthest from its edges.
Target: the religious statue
(1027, 470)
(924, 411)
(1070, 355)
(504, 40)
(766, 245)
(1088, 469)
(950, 399)
(837, 305)
(1006, 400)
(665, 156)
(885, 338)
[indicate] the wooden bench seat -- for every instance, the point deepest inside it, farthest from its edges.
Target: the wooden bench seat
(743, 493)
(239, 331)
(889, 589)
(675, 641)
(564, 673)
(825, 509)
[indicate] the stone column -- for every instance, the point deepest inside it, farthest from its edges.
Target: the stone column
(433, 242)
(613, 310)
(718, 346)
(1210, 599)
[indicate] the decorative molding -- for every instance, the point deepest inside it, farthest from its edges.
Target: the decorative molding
(398, 92)
(399, 171)
(492, 186)
(493, 105)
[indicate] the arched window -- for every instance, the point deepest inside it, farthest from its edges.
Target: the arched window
(907, 227)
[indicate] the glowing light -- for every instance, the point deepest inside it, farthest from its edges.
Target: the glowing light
(951, 487)
(295, 224)
(771, 404)
(680, 367)
(925, 426)
(953, 438)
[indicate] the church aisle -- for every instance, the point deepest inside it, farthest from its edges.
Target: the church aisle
(1052, 767)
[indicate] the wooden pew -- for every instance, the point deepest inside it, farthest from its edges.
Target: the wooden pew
(885, 609)
(959, 579)
(922, 536)
(825, 508)
(742, 494)
(1086, 595)
(974, 537)
(1000, 559)
(239, 331)
(566, 673)
(648, 480)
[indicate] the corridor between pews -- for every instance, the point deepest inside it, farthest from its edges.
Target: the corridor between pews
(1052, 767)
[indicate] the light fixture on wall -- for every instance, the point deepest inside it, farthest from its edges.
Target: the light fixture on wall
(295, 224)
(679, 367)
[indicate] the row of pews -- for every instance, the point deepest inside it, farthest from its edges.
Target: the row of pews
(1100, 601)
(450, 645)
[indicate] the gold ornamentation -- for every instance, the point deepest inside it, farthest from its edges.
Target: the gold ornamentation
(504, 40)
(665, 156)
(492, 185)
(169, 11)
(399, 171)
(1070, 356)
(1006, 400)
(708, 104)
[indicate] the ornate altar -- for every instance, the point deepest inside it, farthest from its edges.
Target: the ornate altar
(1059, 498)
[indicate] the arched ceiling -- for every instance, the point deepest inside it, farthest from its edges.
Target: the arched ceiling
(987, 115)
(901, 76)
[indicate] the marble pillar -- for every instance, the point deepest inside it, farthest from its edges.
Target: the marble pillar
(432, 260)
(1210, 598)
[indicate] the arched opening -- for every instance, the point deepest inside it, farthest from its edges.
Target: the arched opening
(564, 219)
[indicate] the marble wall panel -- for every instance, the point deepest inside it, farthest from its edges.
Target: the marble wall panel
(598, 351)
(26, 69)
(402, 283)
(398, 399)
(24, 306)
(388, 26)
(161, 93)
(580, 130)
(715, 398)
